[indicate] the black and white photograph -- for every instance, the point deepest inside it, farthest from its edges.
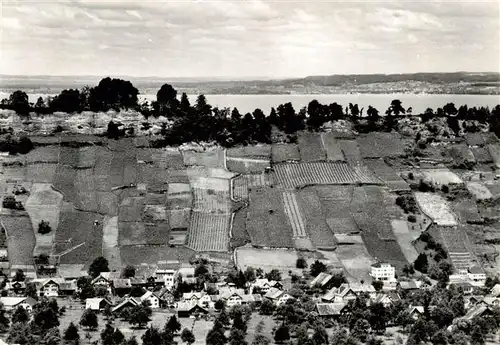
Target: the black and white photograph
(249, 172)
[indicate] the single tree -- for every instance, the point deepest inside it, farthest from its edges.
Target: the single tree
(139, 316)
(44, 227)
(71, 334)
(99, 265)
(128, 272)
(267, 307)
(152, 336)
(282, 334)
(173, 325)
(187, 336)
(19, 276)
(301, 263)
(421, 264)
(4, 320)
(273, 274)
(237, 337)
(361, 330)
(89, 320)
(20, 315)
(317, 267)
(378, 285)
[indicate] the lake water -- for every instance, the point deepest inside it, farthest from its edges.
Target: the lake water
(248, 103)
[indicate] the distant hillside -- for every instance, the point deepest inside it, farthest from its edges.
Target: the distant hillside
(448, 83)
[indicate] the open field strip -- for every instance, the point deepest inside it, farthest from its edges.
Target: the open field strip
(387, 174)
(210, 158)
(167, 158)
(351, 151)
(209, 232)
(44, 203)
(43, 154)
(294, 214)
(242, 183)
(405, 237)
(434, 206)
(494, 150)
(41, 172)
(110, 245)
(250, 151)
(86, 193)
(332, 148)
(213, 201)
(356, 261)
(380, 144)
(281, 259)
(441, 176)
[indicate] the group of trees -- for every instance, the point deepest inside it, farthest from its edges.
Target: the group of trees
(202, 122)
(165, 336)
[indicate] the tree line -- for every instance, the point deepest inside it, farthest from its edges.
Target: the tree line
(201, 122)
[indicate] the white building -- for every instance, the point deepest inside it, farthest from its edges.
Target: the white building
(152, 298)
(12, 303)
(477, 276)
(383, 271)
(166, 272)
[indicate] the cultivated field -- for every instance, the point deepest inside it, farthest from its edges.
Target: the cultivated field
(285, 153)
(456, 242)
(293, 175)
(209, 232)
(436, 208)
(314, 213)
(167, 158)
(238, 231)
(351, 151)
(481, 154)
(335, 204)
(387, 174)
(245, 165)
(43, 154)
(405, 237)
(267, 223)
(332, 147)
(212, 201)
(242, 183)
(479, 190)
(136, 255)
(379, 144)
(251, 151)
(311, 147)
(41, 172)
(179, 218)
(44, 204)
(294, 214)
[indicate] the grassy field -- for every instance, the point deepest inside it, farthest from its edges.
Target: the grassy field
(458, 246)
(179, 218)
(110, 243)
(267, 223)
(494, 150)
(379, 144)
(481, 154)
(167, 158)
(44, 204)
(332, 147)
(387, 174)
(316, 226)
(212, 158)
(239, 233)
(41, 172)
(284, 153)
(294, 175)
(86, 194)
(64, 182)
(20, 238)
(311, 147)
(351, 151)
(437, 208)
(250, 151)
(267, 259)
(335, 205)
(405, 237)
(209, 232)
(136, 255)
(479, 190)
(43, 154)
(356, 261)
(131, 233)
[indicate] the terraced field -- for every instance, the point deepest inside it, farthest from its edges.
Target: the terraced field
(292, 175)
(351, 151)
(457, 245)
(209, 232)
(387, 174)
(212, 201)
(285, 153)
(247, 165)
(212, 158)
(294, 214)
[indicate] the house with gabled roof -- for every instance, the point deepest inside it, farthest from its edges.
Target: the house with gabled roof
(151, 298)
(321, 280)
(166, 271)
(263, 285)
(330, 310)
(341, 294)
(495, 291)
(410, 285)
(387, 299)
(278, 297)
(12, 303)
(67, 288)
(97, 304)
(416, 311)
(128, 302)
(187, 309)
(48, 287)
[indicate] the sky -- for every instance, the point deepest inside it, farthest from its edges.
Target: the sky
(276, 39)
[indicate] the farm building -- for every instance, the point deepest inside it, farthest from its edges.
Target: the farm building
(187, 310)
(12, 303)
(97, 304)
(330, 310)
(127, 303)
(152, 298)
(321, 280)
(277, 296)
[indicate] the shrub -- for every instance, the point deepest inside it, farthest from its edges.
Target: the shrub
(412, 218)
(301, 263)
(10, 202)
(44, 227)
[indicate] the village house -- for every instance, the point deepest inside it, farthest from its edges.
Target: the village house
(347, 292)
(477, 276)
(103, 281)
(97, 304)
(12, 303)
(48, 287)
(152, 299)
(383, 271)
(128, 302)
(495, 291)
(321, 280)
(188, 310)
(411, 285)
(166, 271)
(387, 299)
(200, 298)
(416, 312)
(121, 286)
(277, 296)
(330, 310)
(16, 287)
(262, 285)
(67, 288)
(167, 299)
(186, 272)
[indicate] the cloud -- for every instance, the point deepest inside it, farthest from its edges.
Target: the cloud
(245, 38)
